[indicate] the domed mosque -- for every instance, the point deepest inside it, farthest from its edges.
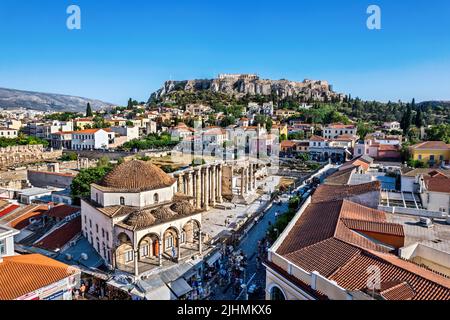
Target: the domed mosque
(136, 219)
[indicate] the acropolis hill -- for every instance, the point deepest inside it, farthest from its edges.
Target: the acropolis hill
(251, 84)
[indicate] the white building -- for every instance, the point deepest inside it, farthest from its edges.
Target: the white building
(394, 125)
(434, 191)
(181, 131)
(7, 241)
(333, 131)
(8, 133)
(92, 139)
(126, 131)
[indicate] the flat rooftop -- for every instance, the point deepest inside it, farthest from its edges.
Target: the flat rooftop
(437, 237)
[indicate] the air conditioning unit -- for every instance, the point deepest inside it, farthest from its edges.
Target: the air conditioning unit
(84, 256)
(72, 243)
(68, 256)
(426, 222)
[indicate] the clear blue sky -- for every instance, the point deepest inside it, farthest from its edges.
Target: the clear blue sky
(129, 48)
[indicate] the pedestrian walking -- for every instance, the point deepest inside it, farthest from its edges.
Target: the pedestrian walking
(173, 252)
(82, 290)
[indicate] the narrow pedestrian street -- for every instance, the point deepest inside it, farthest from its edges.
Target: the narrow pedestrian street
(243, 263)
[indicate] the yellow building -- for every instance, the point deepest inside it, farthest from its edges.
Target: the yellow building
(82, 123)
(431, 152)
(283, 129)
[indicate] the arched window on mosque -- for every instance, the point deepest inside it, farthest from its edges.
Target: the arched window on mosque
(122, 201)
(156, 198)
(276, 294)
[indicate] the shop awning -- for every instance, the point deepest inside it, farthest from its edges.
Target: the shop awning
(159, 294)
(154, 289)
(180, 287)
(212, 259)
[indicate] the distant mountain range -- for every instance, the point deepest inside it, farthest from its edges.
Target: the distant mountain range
(13, 99)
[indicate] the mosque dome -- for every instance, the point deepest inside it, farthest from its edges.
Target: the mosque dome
(137, 176)
(140, 219)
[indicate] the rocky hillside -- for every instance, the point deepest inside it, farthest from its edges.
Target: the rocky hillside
(241, 85)
(11, 99)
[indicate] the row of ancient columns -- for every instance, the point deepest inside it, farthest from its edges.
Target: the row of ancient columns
(204, 184)
(248, 178)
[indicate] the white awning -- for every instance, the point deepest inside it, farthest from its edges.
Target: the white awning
(180, 287)
(212, 259)
(159, 294)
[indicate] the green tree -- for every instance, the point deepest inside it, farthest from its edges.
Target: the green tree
(103, 162)
(81, 184)
(439, 133)
(364, 129)
(130, 104)
(269, 124)
(69, 156)
(405, 123)
(89, 112)
(418, 120)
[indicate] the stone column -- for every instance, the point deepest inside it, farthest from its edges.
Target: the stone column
(160, 252)
(254, 176)
(179, 248)
(136, 262)
(249, 178)
(219, 183)
(198, 188)
(200, 241)
(242, 181)
(207, 186)
(246, 180)
(180, 183)
(191, 184)
(213, 185)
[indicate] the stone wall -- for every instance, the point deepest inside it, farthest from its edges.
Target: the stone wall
(15, 155)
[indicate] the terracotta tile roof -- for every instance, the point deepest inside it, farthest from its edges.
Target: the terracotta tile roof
(340, 177)
(437, 183)
(116, 211)
(323, 239)
(20, 275)
(288, 144)
(20, 219)
(59, 174)
(62, 211)
(396, 290)
(317, 138)
(136, 176)
(322, 221)
(409, 172)
(377, 227)
(327, 193)
(340, 126)
(435, 145)
(90, 131)
(60, 237)
(363, 162)
(8, 210)
(425, 284)
(388, 147)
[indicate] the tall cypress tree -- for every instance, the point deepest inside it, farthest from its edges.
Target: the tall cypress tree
(418, 121)
(130, 104)
(407, 119)
(89, 112)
